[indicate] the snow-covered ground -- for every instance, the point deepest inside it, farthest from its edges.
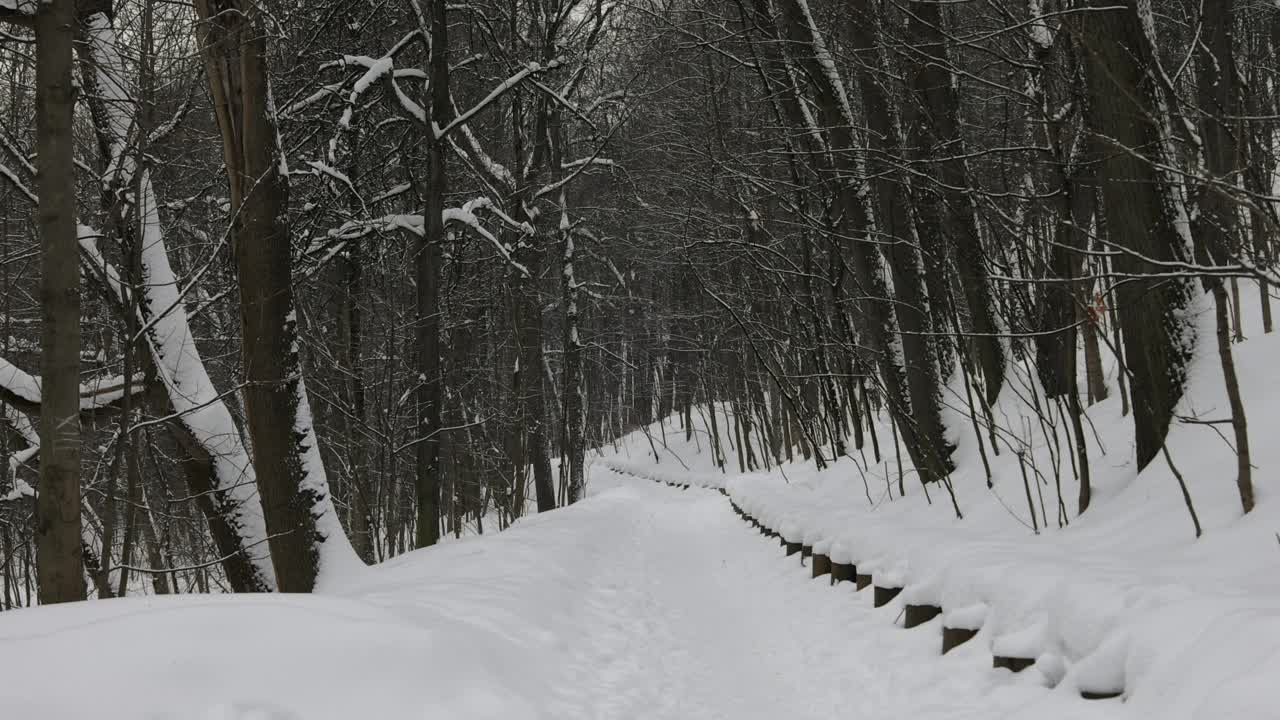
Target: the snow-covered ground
(1121, 599)
(643, 601)
(648, 601)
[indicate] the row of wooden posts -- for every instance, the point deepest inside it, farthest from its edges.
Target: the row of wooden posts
(913, 614)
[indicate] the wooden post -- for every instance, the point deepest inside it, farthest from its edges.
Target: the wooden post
(842, 572)
(955, 637)
(1013, 664)
(919, 614)
(821, 565)
(885, 595)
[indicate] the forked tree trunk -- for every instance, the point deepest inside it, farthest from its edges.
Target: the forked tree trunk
(304, 533)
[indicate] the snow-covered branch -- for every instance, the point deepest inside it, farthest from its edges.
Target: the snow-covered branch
(413, 222)
(496, 93)
(21, 389)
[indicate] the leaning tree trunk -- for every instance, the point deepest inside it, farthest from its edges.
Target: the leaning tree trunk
(218, 467)
(304, 533)
(1142, 207)
(58, 554)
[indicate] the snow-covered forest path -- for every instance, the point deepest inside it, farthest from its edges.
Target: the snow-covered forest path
(642, 601)
(688, 613)
(683, 619)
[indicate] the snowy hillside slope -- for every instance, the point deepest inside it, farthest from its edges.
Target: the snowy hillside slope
(1122, 599)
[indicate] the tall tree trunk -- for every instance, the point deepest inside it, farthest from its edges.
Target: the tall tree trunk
(938, 125)
(429, 256)
(351, 326)
(1142, 207)
(304, 534)
(925, 441)
(1216, 225)
(877, 318)
(203, 424)
(57, 515)
(573, 448)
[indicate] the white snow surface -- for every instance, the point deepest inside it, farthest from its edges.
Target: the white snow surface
(1124, 598)
(652, 601)
(643, 601)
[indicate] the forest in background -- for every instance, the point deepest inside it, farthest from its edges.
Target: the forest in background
(494, 235)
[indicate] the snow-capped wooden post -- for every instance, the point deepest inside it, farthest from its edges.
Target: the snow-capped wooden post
(1014, 664)
(954, 637)
(842, 572)
(915, 615)
(885, 595)
(960, 625)
(862, 580)
(821, 564)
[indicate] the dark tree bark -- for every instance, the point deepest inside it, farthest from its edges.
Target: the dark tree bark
(58, 551)
(302, 525)
(926, 443)
(429, 256)
(1124, 112)
(878, 320)
(936, 127)
(1216, 225)
(350, 273)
